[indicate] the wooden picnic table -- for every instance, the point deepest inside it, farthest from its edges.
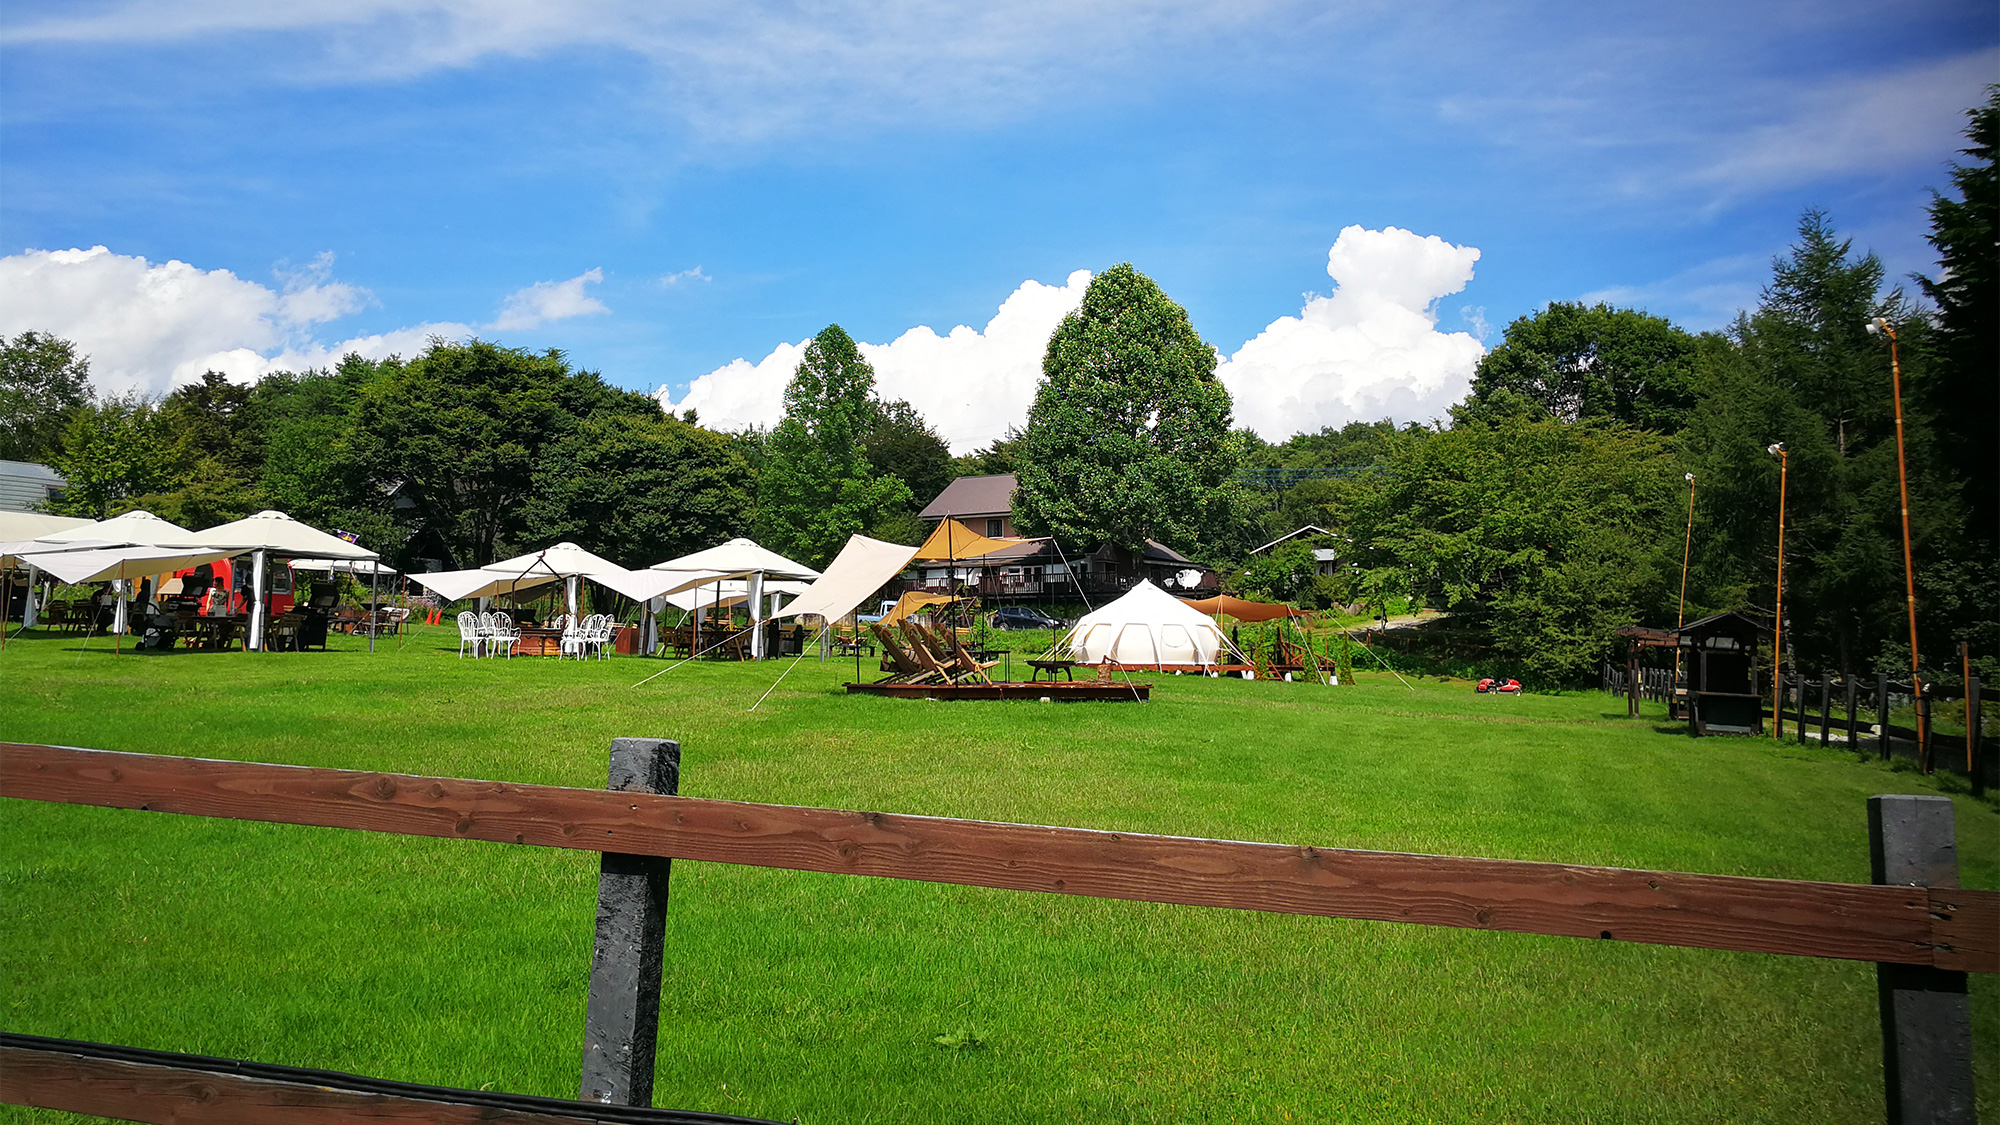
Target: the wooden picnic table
(215, 633)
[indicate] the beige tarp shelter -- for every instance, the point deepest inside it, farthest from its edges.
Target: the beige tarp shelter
(863, 566)
(1147, 626)
(1242, 610)
(914, 601)
(953, 540)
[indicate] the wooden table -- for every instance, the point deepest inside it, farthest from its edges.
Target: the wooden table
(1051, 667)
(539, 641)
(215, 633)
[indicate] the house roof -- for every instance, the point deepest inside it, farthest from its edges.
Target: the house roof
(973, 497)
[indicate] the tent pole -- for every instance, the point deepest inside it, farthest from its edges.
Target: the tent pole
(257, 592)
(374, 577)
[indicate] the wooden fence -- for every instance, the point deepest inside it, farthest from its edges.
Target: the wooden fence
(1857, 711)
(1923, 931)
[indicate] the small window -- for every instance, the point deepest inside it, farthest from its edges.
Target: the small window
(993, 529)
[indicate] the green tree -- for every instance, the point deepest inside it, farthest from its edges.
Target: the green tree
(640, 490)
(1003, 456)
(111, 452)
(1575, 362)
(1129, 437)
(1544, 535)
(816, 487)
(901, 444)
(448, 442)
(1963, 391)
(43, 381)
(1803, 370)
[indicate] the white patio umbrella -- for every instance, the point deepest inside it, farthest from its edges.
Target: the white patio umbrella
(275, 533)
(756, 563)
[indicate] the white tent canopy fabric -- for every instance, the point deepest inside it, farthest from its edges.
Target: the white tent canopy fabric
(741, 556)
(24, 550)
(863, 566)
(732, 592)
(32, 525)
(1147, 626)
(280, 534)
(139, 529)
(345, 566)
(108, 563)
(756, 565)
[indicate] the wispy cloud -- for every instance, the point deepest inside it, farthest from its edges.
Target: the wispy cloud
(547, 301)
(673, 279)
(741, 70)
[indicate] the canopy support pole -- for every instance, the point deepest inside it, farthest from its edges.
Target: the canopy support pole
(28, 607)
(374, 576)
(257, 610)
(755, 588)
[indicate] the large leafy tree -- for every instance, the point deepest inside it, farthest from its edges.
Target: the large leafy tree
(1129, 437)
(1575, 362)
(43, 382)
(816, 486)
(112, 452)
(639, 490)
(901, 444)
(448, 442)
(1545, 535)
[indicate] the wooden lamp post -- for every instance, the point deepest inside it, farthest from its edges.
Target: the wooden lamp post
(1880, 326)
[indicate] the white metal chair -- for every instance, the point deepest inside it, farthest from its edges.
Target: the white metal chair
(572, 636)
(486, 631)
(468, 634)
(506, 634)
(599, 636)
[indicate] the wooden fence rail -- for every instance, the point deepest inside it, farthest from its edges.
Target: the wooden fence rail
(1951, 929)
(1925, 926)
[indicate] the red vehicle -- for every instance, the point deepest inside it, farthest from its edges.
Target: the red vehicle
(1508, 686)
(199, 586)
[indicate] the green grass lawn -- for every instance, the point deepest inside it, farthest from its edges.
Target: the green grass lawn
(839, 999)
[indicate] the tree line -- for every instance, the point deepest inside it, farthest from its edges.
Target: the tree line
(1548, 509)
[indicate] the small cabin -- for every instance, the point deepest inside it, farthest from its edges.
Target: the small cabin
(1719, 655)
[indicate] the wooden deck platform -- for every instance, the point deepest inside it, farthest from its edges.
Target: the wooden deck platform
(1060, 692)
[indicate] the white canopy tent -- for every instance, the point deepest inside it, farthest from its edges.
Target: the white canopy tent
(863, 566)
(33, 525)
(1147, 626)
(271, 532)
(137, 528)
(745, 558)
(343, 566)
(122, 565)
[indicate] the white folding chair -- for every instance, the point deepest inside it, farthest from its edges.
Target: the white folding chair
(468, 634)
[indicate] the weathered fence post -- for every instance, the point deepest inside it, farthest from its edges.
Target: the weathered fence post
(1882, 712)
(1825, 709)
(1853, 707)
(1800, 713)
(1632, 684)
(621, 1017)
(1926, 1014)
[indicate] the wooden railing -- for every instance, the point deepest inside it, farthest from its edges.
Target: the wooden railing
(1931, 929)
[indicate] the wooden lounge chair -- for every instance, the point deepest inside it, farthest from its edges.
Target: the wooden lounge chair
(944, 641)
(904, 668)
(920, 647)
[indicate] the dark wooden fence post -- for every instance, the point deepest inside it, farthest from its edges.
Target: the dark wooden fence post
(1825, 709)
(1926, 1013)
(1882, 712)
(1632, 684)
(1800, 712)
(1853, 707)
(621, 1017)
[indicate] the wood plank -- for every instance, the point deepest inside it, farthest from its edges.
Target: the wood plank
(182, 1089)
(1851, 921)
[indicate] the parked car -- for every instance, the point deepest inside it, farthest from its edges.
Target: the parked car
(1022, 617)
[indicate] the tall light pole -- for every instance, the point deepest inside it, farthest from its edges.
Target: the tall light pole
(1777, 449)
(1687, 553)
(1880, 326)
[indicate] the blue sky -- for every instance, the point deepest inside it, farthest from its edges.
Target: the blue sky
(370, 172)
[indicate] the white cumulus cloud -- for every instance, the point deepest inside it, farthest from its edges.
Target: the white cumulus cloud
(545, 301)
(149, 326)
(969, 384)
(1370, 350)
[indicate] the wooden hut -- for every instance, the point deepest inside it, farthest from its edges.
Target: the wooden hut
(1719, 655)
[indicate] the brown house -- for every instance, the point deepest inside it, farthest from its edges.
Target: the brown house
(1038, 568)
